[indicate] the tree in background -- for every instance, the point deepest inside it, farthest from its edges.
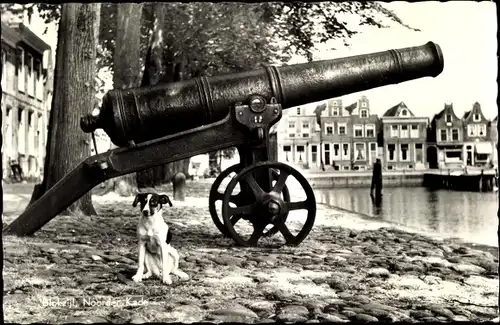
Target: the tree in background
(74, 96)
(317, 111)
(127, 73)
(212, 38)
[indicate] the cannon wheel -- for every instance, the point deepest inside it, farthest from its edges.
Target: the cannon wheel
(215, 196)
(268, 207)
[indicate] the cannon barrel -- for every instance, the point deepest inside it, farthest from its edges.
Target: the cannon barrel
(146, 113)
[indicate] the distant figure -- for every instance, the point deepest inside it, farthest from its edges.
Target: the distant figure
(377, 183)
(17, 171)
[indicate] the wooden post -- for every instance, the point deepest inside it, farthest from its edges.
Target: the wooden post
(377, 183)
(179, 186)
(481, 180)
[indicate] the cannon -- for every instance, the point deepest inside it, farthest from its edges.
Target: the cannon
(174, 121)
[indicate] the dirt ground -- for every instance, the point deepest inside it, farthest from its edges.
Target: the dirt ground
(78, 269)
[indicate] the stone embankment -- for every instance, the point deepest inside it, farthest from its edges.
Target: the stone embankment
(78, 270)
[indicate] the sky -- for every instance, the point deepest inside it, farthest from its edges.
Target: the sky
(465, 31)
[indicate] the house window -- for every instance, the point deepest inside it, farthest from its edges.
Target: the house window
(404, 152)
(443, 135)
(21, 71)
(360, 151)
(287, 150)
(291, 125)
(291, 135)
(300, 148)
(471, 130)
(454, 134)
(336, 149)
(414, 131)
(305, 125)
(476, 117)
(342, 129)
(39, 80)
(404, 131)
(329, 129)
(22, 130)
(370, 131)
(364, 113)
(327, 153)
(336, 111)
(482, 130)
(373, 147)
(31, 77)
(298, 111)
(404, 112)
(448, 118)
(314, 153)
(391, 148)
(358, 131)
(345, 148)
(394, 131)
(305, 135)
(4, 65)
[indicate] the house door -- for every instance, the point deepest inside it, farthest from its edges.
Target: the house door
(432, 157)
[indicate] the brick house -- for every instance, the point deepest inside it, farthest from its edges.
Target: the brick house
(26, 94)
(445, 145)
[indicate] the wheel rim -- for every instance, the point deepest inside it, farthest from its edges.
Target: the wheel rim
(266, 202)
(237, 199)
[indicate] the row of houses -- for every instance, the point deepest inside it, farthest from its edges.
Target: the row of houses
(352, 138)
(26, 97)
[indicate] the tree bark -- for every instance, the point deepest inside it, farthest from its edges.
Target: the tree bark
(127, 74)
(162, 66)
(74, 96)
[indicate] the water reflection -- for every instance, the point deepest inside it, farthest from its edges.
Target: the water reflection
(471, 216)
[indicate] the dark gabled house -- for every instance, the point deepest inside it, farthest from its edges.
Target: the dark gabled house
(445, 144)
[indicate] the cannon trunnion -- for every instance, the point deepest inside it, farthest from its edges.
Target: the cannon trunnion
(170, 122)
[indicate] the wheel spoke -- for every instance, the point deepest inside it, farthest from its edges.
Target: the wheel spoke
(246, 209)
(278, 187)
(219, 196)
(236, 218)
(256, 234)
(256, 189)
(296, 205)
(283, 229)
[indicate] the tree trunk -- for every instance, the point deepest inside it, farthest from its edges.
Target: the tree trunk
(74, 96)
(127, 74)
(161, 67)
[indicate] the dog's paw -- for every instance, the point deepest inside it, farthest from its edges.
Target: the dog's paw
(137, 278)
(183, 276)
(167, 280)
(147, 275)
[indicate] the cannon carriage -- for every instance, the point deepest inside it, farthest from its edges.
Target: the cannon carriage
(169, 122)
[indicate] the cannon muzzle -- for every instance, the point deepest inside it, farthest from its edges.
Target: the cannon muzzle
(146, 113)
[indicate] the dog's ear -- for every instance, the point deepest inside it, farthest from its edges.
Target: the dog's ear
(137, 198)
(164, 199)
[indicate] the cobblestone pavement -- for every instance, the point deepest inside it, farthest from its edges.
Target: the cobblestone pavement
(78, 269)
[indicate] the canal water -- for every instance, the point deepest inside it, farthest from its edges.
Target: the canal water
(468, 216)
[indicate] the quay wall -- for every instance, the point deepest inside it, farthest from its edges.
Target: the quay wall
(347, 180)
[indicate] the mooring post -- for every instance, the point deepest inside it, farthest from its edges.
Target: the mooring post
(179, 186)
(377, 183)
(481, 180)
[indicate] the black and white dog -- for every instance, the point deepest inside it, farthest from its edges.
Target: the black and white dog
(155, 251)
